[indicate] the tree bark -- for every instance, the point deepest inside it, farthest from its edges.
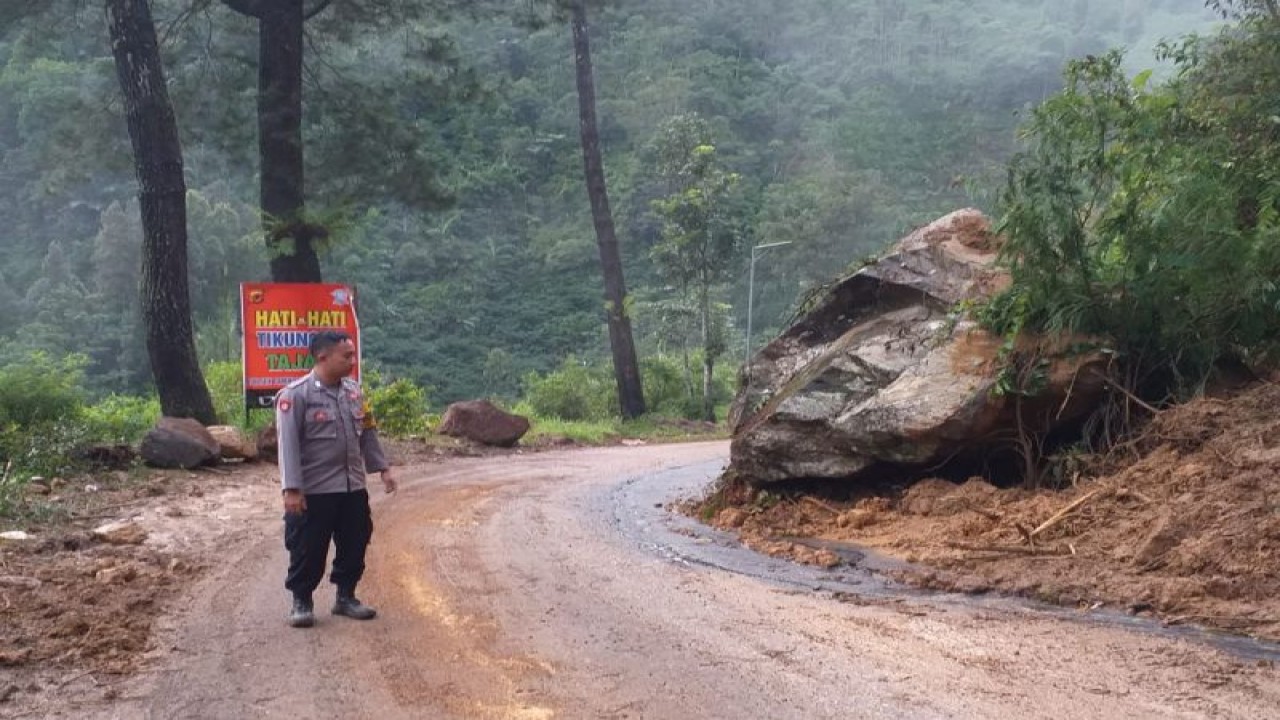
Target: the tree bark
(625, 367)
(708, 360)
(280, 46)
(280, 150)
(162, 193)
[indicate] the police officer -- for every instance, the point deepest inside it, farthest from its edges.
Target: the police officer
(328, 443)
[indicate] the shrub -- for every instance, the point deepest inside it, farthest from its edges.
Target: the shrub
(226, 388)
(574, 391)
(41, 419)
(46, 450)
(121, 418)
(667, 385)
(577, 391)
(400, 407)
(1148, 215)
(38, 390)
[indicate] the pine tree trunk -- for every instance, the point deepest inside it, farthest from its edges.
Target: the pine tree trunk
(166, 302)
(708, 362)
(688, 372)
(625, 367)
(280, 38)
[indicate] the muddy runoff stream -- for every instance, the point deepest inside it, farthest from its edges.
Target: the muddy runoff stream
(641, 507)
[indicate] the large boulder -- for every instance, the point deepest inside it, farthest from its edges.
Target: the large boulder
(233, 444)
(884, 371)
(483, 422)
(179, 443)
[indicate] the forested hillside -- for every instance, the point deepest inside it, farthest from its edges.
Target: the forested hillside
(442, 156)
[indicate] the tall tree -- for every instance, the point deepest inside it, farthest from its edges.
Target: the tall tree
(625, 367)
(281, 188)
(703, 230)
(166, 303)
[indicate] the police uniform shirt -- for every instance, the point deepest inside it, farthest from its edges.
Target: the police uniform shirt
(328, 441)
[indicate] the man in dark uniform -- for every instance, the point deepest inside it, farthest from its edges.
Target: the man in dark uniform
(328, 443)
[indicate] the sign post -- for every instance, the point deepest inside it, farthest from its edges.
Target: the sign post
(279, 320)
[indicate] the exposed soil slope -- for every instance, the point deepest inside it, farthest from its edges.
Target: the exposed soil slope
(1183, 521)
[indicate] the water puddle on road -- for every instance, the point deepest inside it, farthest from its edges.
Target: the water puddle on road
(638, 509)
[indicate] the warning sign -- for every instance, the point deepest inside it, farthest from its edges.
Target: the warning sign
(279, 320)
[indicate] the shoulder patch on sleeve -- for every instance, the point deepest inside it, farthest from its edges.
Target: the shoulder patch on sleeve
(284, 404)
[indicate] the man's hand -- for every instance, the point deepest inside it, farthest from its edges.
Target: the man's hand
(389, 485)
(295, 503)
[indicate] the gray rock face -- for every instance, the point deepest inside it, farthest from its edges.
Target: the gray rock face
(881, 370)
(483, 422)
(179, 443)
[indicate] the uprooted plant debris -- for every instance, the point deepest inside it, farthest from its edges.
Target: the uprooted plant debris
(1182, 521)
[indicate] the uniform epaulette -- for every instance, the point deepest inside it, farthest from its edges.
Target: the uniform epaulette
(295, 384)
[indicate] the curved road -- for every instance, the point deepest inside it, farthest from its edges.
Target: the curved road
(550, 586)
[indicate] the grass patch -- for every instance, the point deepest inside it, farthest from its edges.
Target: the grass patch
(586, 432)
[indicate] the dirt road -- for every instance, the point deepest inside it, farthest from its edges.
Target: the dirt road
(550, 586)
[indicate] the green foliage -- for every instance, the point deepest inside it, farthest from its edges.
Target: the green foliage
(703, 217)
(846, 123)
(574, 391)
(580, 392)
(46, 450)
(704, 228)
(1149, 213)
(669, 386)
(587, 432)
(37, 390)
(500, 378)
(121, 419)
(226, 387)
(400, 406)
(41, 423)
(609, 430)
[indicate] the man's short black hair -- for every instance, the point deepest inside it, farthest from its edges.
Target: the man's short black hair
(326, 339)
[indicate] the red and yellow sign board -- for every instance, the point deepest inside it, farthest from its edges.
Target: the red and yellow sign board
(279, 320)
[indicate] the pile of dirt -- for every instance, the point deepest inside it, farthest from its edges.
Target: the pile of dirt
(1182, 522)
(77, 604)
(90, 564)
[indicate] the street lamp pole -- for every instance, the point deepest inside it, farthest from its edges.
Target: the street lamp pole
(751, 292)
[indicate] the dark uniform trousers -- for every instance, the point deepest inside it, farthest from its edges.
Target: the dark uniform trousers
(343, 518)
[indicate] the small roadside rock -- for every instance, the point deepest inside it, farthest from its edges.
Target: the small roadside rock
(12, 658)
(121, 533)
(116, 575)
(856, 519)
(19, 581)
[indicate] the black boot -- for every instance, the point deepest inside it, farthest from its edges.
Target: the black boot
(348, 605)
(303, 613)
